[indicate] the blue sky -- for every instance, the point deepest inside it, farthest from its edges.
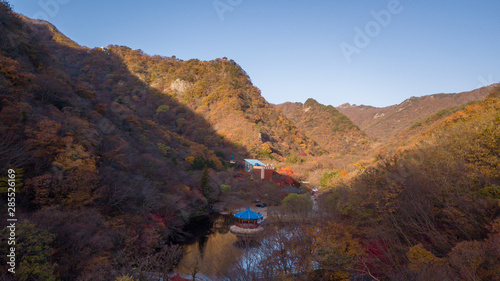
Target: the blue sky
(374, 52)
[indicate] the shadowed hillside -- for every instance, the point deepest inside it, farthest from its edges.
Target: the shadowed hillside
(223, 94)
(118, 157)
(108, 168)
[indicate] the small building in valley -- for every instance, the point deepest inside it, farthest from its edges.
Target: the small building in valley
(248, 223)
(261, 170)
(248, 219)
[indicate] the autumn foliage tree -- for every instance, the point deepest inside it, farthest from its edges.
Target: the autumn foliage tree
(105, 151)
(434, 198)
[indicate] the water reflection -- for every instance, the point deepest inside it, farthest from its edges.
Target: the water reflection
(218, 254)
(214, 252)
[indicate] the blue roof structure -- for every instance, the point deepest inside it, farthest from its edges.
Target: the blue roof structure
(254, 162)
(248, 215)
(250, 163)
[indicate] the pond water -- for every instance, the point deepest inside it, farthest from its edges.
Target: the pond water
(214, 253)
(212, 250)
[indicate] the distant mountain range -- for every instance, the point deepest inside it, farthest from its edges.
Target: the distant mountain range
(115, 151)
(385, 122)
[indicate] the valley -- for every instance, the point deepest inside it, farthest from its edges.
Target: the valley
(124, 160)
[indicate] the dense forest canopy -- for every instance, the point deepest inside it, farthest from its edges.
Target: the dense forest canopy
(108, 163)
(115, 151)
(328, 127)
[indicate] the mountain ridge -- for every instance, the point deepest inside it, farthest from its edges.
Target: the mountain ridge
(115, 151)
(221, 92)
(385, 122)
(327, 126)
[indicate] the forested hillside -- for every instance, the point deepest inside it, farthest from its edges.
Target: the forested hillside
(431, 210)
(115, 151)
(222, 93)
(385, 122)
(109, 169)
(410, 135)
(327, 126)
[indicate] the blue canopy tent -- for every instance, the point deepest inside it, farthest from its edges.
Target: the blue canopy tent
(248, 218)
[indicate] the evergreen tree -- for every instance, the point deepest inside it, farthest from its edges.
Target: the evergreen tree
(205, 186)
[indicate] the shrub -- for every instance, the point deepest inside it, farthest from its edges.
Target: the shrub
(292, 159)
(125, 278)
(298, 204)
(162, 109)
(329, 178)
(224, 188)
(490, 191)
